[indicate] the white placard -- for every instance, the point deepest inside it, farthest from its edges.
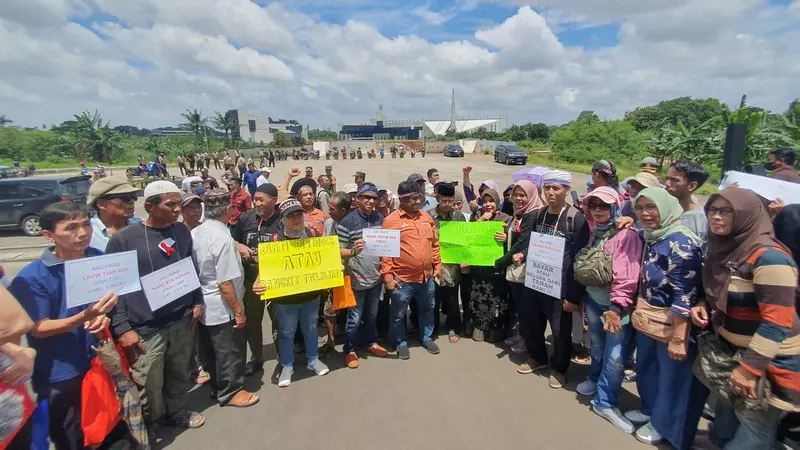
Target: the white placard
(769, 188)
(170, 283)
(379, 242)
(544, 264)
(89, 279)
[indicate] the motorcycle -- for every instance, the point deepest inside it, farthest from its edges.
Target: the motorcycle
(328, 154)
(372, 154)
(381, 153)
(423, 152)
(336, 155)
(402, 153)
(352, 154)
(344, 154)
(359, 153)
(394, 152)
(413, 152)
(316, 155)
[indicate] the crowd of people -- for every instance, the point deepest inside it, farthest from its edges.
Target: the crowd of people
(695, 303)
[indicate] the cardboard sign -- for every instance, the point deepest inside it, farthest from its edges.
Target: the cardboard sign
(544, 264)
(166, 285)
(470, 243)
(89, 279)
(299, 265)
(379, 242)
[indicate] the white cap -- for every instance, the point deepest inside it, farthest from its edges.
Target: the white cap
(350, 188)
(160, 187)
(265, 169)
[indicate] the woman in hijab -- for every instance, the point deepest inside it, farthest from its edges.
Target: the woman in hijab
(527, 201)
(672, 399)
(488, 299)
(608, 306)
(750, 281)
(508, 204)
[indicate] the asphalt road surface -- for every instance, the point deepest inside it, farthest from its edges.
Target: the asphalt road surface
(468, 397)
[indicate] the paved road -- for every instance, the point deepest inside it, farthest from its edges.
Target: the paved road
(468, 397)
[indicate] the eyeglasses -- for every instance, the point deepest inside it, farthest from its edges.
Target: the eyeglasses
(599, 206)
(124, 198)
(723, 212)
(651, 208)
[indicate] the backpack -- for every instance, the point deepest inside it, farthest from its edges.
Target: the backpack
(592, 265)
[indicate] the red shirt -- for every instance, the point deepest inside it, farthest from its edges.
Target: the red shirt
(242, 203)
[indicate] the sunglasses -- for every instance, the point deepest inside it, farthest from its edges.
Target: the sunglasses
(124, 198)
(599, 206)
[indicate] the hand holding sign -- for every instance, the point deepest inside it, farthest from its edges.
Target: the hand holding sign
(102, 307)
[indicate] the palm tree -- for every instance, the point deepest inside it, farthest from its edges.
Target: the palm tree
(225, 122)
(92, 136)
(195, 122)
(5, 120)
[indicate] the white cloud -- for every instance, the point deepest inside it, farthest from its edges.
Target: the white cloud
(161, 57)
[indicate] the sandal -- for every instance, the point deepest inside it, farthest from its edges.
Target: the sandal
(203, 377)
(187, 419)
(243, 399)
(453, 337)
(252, 367)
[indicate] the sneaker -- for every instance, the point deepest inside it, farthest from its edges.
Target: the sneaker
(519, 348)
(286, 376)
(318, 367)
(630, 376)
(530, 366)
(587, 388)
(510, 341)
(431, 347)
(614, 416)
(377, 350)
(351, 359)
(402, 352)
(648, 435)
(557, 380)
(581, 357)
(637, 417)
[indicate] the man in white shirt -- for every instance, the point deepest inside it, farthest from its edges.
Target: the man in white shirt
(264, 177)
(221, 327)
(433, 178)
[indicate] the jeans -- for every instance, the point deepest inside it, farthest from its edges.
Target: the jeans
(738, 429)
(609, 354)
(288, 317)
(366, 311)
(424, 294)
(224, 350)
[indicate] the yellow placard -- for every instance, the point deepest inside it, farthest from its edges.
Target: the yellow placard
(299, 265)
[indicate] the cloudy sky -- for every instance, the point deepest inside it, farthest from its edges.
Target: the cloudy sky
(143, 62)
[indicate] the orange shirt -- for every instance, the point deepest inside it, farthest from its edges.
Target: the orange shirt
(315, 219)
(419, 248)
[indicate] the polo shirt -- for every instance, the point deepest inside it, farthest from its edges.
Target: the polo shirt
(364, 270)
(217, 259)
(100, 236)
(40, 289)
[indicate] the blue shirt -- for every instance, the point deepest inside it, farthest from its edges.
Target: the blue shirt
(40, 289)
(250, 179)
(672, 273)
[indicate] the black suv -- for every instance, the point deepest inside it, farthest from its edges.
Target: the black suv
(23, 199)
(510, 154)
(453, 150)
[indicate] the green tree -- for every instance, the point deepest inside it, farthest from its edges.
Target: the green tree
(225, 122)
(322, 135)
(762, 136)
(693, 113)
(537, 131)
(588, 141)
(195, 122)
(279, 139)
(514, 133)
(90, 136)
(5, 120)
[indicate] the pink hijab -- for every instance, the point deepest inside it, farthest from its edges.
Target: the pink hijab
(534, 200)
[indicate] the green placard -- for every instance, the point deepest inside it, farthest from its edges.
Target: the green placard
(470, 243)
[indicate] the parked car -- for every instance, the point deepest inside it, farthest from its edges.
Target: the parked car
(453, 150)
(7, 172)
(510, 154)
(22, 200)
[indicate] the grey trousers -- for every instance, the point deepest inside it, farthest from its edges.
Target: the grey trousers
(224, 349)
(161, 372)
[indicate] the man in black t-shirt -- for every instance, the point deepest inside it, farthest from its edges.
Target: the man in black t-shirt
(256, 226)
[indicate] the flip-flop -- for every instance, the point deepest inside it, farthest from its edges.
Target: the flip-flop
(188, 419)
(203, 377)
(453, 337)
(243, 399)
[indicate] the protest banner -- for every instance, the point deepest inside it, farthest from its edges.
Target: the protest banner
(166, 285)
(89, 279)
(378, 242)
(769, 188)
(299, 265)
(544, 264)
(470, 243)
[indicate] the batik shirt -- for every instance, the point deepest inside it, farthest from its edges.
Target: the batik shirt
(671, 273)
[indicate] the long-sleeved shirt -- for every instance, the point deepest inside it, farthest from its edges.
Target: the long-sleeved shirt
(571, 225)
(451, 273)
(671, 273)
(419, 247)
(133, 312)
(520, 228)
(625, 249)
(761, 318)
(242, 203)
(786, 174)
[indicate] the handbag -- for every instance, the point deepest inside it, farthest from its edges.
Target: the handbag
(343, 296)
(716, 360)
(652, 321)
(592, 265)
(514, 273)
(100, 406)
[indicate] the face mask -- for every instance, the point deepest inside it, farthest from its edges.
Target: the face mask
(769, 166)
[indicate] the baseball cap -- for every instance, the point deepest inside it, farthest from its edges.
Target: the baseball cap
(160, 187)
(350, 188)
(360, 174)
(187, 198)
(415, 178)
(368, 190)
(649, 161)
(265, 169)
(109, 186)
(289, 206)
(328, 167)
(604, 166)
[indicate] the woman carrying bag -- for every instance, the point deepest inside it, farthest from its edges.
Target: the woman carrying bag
(751, 360)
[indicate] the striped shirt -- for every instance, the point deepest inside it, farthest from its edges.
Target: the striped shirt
(761, 317)
(364, 270)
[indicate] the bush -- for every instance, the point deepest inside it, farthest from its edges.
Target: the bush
(588, 141)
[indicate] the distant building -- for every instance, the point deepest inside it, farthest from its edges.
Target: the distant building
(249, 127)
(380, 129)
